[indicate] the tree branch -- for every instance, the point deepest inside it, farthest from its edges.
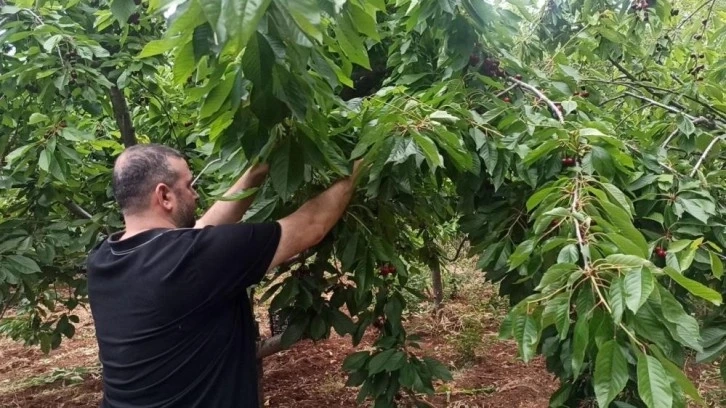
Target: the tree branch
(623, 70)
(675, 132)
(123, 117)
(664, 106)
(705, 153)
(269, 346)
(685, 20)
(77, 210)
(541, 96)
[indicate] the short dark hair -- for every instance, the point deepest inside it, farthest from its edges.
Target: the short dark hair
(137, 172)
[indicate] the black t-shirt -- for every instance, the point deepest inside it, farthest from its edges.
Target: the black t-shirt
(173, 320)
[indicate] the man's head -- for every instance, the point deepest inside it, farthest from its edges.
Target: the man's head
(155, 181)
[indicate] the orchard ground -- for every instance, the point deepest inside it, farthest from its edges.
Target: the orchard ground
(486, 370)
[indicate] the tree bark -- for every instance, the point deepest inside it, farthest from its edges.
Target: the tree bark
(437, 284)
(269, 346)
(123, 117)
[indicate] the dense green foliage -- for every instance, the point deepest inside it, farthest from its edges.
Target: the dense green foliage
(578, 145)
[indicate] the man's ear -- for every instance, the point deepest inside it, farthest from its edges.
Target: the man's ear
(163, 195)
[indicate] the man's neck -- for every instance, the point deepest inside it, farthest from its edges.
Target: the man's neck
(139, 223)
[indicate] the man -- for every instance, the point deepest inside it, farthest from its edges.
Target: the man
(168, 294)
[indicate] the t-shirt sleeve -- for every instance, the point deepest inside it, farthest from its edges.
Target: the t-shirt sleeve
(233, 257)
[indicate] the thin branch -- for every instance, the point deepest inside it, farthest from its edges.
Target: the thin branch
(584, 250)
(705, 153)
(35, 16)
(78, 210)
(693, 14)
(541, 96)
(675, 132)
(504, 92)
(623, 70)
(458, 251)
(418, 400)
(662, 105)
(708, 18)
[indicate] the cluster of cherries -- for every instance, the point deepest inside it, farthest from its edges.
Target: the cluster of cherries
(387, 269)
(568, 161)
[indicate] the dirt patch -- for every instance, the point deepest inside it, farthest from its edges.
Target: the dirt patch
(487, 372)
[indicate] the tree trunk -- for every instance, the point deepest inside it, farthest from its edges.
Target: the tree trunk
(437, 284)
(123, 117)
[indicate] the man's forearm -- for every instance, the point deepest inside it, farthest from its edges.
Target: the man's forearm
(230, 212)
(326, 209)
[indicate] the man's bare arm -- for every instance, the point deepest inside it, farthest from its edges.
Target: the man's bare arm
(230, 212)
(307, 226)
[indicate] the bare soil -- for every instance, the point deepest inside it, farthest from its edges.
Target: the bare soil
(487, 374)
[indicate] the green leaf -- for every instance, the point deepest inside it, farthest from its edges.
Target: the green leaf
(21, 264)
(682, 326)
(580, 343)
(696, 288)
(619, 197)
(396, 361)
(218, 95)
(539, 196)
(156, 47)
(36, 117)
(627, 260)
(521, 254)
(393, 310)
(342, 323)
(379, 361)
(240, 195)
(681, 379)
(716, 265)
(558, 310)
(286, 170)
(443, 117)
(526, 331)
(653, 383)
(437, 369)
(540, 151)
(294, 331)
(356, 361)
(556, 274)
(122, 10)
(617, 299)
(46, 156)
(317, 327)
(611, 373)
(429, 150)
(626, 246)
(568, 254)
(638, 285)
(697, 208)
(623, 222)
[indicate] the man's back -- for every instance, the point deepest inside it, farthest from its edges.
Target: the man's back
(172, 317)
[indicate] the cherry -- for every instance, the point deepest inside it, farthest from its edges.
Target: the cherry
(474, 60)
(661, 252)
(584, 94)
(507, 99)
(518, 77)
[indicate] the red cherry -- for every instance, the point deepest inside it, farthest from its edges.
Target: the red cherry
(518, 77)
(474, 60)
(507, 99)
(585, 94)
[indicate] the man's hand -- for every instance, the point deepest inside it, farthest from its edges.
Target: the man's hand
(256, 175)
